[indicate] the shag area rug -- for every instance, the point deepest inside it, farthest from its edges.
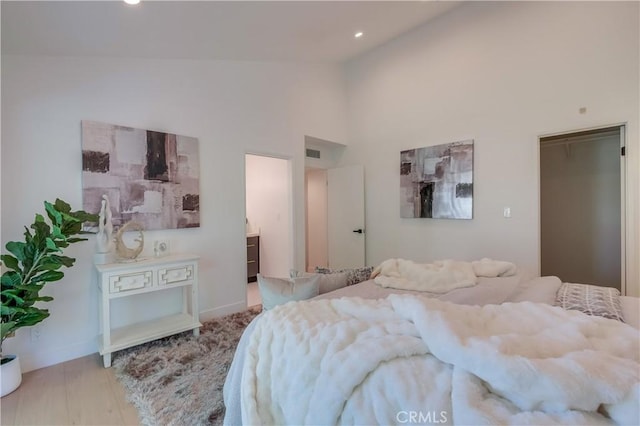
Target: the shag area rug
(178, 380)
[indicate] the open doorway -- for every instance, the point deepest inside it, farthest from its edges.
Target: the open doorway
(334, 205)
(335, 217)
(316, 245)
(582, 207)
(269, 220)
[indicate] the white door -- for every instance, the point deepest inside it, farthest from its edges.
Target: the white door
(345, 217)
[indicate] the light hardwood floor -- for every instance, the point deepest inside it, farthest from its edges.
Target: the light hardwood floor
(253, 294)
(77, 392)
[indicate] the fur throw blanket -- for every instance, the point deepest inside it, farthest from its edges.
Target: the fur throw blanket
(357, 361)
(440, 276)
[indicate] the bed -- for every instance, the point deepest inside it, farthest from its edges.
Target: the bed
(497, 352)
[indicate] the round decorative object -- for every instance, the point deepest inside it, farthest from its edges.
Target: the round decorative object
(122, 250)
(161, 248)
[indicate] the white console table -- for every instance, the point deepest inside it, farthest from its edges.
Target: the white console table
(117, 280)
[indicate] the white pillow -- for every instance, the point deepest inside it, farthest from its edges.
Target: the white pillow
(326, 282)
(277, 291)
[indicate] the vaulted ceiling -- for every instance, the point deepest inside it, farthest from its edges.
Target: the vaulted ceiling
(310, 31)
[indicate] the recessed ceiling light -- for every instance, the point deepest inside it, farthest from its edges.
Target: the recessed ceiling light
(132, 1)
(358, 34)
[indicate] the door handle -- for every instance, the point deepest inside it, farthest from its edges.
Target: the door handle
(358, 231)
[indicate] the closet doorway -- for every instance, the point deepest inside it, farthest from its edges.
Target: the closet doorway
(269, 219)
(582, 212)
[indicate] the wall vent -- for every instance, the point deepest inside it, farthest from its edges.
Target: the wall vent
(313, 153)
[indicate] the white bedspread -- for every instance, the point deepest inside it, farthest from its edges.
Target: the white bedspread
(353, 360)
(440, 276)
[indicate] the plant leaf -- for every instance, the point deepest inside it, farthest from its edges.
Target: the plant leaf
(10, 261)
(32, 317)
(64, 260)
(48, 276)
(53, 213)
(17, 249)
(7, 328)
(75, 240)
(30, 253)
(27, 235)
(10, 295)
(83, 216)
(6, 310)
(62, 206)
(42, 231)
(51, 266)
(71, 228)
(51, 245)
(30, 287)
(11, 279)
(57, 232)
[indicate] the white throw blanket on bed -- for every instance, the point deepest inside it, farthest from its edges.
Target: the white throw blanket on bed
(440, 276)
(361, 361)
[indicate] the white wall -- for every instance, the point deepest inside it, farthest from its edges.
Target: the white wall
(500, 73)
(330, 153)
(269, 212)
(231, 107)
(503, 74)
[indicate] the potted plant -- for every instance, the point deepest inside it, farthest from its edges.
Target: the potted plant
(31, 264)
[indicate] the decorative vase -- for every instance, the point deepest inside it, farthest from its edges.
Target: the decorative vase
(10, 374)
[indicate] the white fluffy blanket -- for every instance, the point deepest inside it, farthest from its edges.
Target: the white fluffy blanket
(440, 276)
(404, 358)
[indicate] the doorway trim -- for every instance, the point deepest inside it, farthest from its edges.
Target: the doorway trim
(290, 191)
(626, 198)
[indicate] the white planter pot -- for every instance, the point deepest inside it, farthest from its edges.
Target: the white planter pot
(10, 375)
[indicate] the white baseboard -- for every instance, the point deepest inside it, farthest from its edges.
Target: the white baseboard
(39, 359)
(34, 360)
(221, 311)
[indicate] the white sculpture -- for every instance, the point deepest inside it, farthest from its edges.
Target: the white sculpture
(104, 237)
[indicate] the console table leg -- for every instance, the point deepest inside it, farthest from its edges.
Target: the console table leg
(106, 359)
(153, 275)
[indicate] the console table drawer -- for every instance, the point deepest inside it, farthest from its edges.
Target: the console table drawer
(174, 275)
(127, 282)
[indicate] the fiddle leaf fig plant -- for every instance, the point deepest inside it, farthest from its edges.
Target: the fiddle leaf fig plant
(36, 261)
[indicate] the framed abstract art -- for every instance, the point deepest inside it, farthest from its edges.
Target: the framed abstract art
(437, 181)
(150, 177)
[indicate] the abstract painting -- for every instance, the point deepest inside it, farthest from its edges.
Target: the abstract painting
(152, 178)
(437, 181)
